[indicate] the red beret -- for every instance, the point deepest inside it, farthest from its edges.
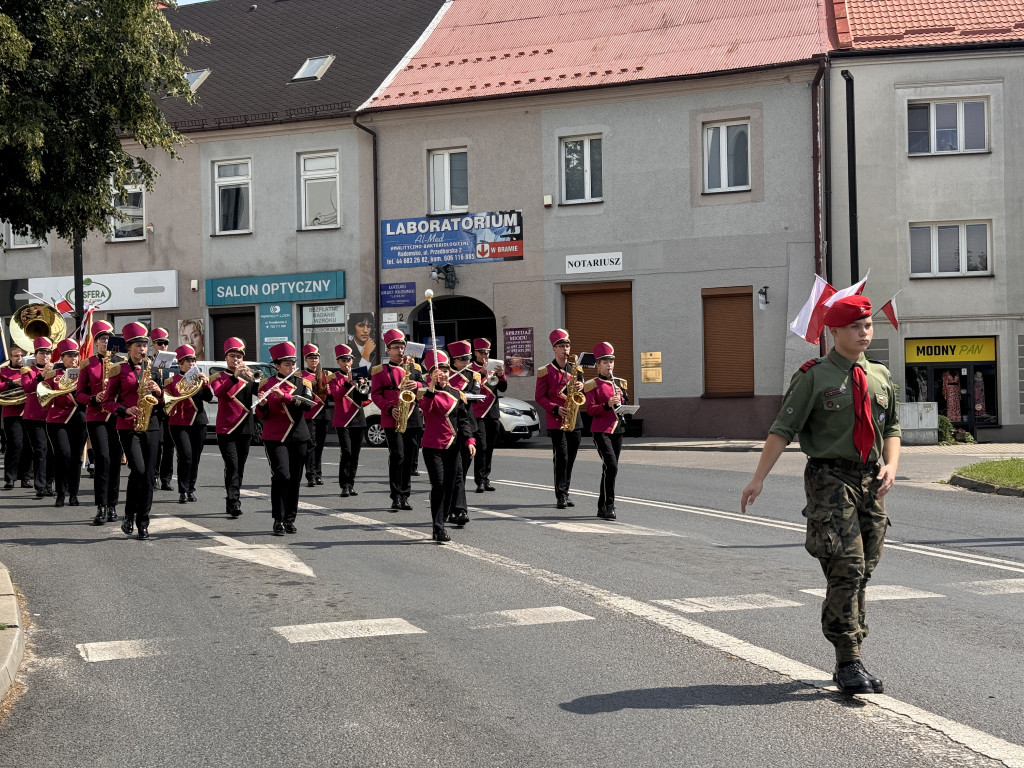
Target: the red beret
(848, 310)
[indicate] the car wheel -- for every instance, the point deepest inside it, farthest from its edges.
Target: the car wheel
(375, 436)
(257, 432)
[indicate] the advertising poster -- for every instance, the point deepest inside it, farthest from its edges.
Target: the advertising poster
(519, 352)
(361, 327)
(470, 238)
(275, 326)
(193, 332)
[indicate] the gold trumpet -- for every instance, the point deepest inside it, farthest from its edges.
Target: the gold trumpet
(46, 395)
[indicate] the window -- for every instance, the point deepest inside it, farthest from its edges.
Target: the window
(319, 190)
(196, 78)
(727, 156)
(12, 241)
(944, 127)
(313, 69)
(233, 181)
(950, 248)
(449, 181)
(581, 170)
(131, 225)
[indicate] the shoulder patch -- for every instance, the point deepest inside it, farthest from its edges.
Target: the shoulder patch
(26, 369)
(416, 367)
(376, 369)
(809, 364)
(462, 397)
(476, 376)
(590, 385)
(214, 377)
(115, 370)
(542, 372)
(623, 384)
(50, 375)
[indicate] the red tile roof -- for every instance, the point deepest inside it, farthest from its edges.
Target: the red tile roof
(487, 48)
(913, 23)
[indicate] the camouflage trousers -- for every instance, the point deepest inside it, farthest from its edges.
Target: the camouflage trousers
(845, 530)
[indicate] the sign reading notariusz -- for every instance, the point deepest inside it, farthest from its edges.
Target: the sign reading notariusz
(593, 262)
(469, 238)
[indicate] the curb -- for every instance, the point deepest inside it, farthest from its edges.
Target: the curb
(12, 639)
(980, 487)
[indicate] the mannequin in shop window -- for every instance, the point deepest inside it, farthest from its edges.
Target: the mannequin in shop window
(922, 384)
(951, 391)
(979, 394)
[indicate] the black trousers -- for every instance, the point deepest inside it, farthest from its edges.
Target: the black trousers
(564, 445)
(67, 441)
(188, 446)
(315, 449)
(416, 436)
(351, 441)
(401, 451)
(608, 448)
(18, 456)
(286, 463)
(166, 462)
(42, 453)
(460, 505)
(106, 452)
(486, 436)
(234, 449)
(442, 466)
(141, 449)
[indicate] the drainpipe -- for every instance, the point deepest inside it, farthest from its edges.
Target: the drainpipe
(377, 258)
(817, 177)
(851, 173)
(826, 128)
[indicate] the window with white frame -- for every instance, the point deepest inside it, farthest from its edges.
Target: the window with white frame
(313, 69)
(196, 77)
(948, 126)
(727, 156)
(951, 248)
(582, 180)
(12, 241)
(319, 190)
(449, 180)
(131, 224)
(233, 196)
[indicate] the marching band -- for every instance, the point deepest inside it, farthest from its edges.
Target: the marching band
(52, 409)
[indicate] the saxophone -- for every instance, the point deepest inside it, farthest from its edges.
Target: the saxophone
(406, 400)
(574, 398)
(146, 400)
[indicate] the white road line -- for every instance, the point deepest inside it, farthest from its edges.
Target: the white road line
(979, 741)
(252, 494)
(726, 603)
(345, 630)
(119, 649)
(884, 592)
(917, 549)
(523, 617)
(996, 587)
(582, 526)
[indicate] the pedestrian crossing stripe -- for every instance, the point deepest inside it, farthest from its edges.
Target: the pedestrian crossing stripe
(523, 617)
(885, 592)
(726, 603)
(995, 587)
(345, 630)
(119, 649)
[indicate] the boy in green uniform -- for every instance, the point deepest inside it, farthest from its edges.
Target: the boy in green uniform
(843, 409)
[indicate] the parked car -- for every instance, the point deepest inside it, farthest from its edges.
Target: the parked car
(518, 420)
(210, 367)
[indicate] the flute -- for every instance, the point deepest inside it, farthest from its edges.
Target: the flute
(275, 388)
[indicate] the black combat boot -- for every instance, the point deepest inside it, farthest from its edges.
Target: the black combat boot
(128, 524)
(101, 514)
(111, 514)
(851, 678)
(876, 683)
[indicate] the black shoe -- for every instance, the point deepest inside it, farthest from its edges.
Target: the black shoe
(111, 514)
(569, 502)
(26, 483)
(560, 504)
(191, 496)
(441, 536)
(40, 494)
(352, 491)
(165, 486)
(143, 533)
(128, 525)
(73, 501)
(600, 512)
(876, 683)
(415, 473)
(290, 528)
(609, 512)
(182, 499)
(344, 492)
(91, 469)
(405, 504)
(319, 481)
(396, 504)
(59, 502)
(8, 486)
(49, 491)
(851, 678)
(488, 486)
(479, 487)
(461, 518)
(101, 513)
(310, 483)
(278, 528)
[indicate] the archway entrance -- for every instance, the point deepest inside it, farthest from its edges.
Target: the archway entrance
(455, 318)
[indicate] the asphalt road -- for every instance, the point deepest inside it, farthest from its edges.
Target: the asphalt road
(681, 634)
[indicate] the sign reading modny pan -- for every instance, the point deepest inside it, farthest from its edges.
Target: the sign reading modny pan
(593, 262)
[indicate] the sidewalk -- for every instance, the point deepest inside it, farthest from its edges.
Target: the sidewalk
(743, 446)
(12, 636)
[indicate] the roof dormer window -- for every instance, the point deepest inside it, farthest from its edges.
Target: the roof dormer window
(313, 69)
(196, 78)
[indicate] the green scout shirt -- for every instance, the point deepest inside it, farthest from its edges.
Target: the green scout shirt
(819, 408)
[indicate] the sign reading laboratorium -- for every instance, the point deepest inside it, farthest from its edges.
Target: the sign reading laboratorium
(310, 286)
(275, 326)
(122, 290)
(972, 349)
(470, 238)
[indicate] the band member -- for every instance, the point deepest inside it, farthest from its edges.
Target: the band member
(552, 382)
(284, 400)
(467, 381)
(317, 379)
(17, 456)
(349, 420)
(188, 421)
(234, 390)
(34, 418)
(65, 424)
(487, 413)
(101, 425)
(387, 381)
(603, 395)
(125, 399)
(446, 422)
(165, 466)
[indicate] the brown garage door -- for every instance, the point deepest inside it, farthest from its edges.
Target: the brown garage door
(596, 312)
(728, 341)
(240, 324)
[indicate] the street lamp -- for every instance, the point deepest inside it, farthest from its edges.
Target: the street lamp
(445, 272)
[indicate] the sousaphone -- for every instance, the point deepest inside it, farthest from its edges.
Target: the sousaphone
(35, 320)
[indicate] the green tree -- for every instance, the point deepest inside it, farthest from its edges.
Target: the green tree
(77, 76)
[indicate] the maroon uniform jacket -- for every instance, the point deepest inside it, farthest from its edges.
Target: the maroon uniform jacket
(348, 402)
(384, 382)
(234, 399)
(310, 378)
(10, 378)
(90, 387)
(445, 417)
(63, 407)
(488, 407)
(123, 393)
(282, 414)
(598, 392)
(29, 381)
(189, 412)
(550, 394)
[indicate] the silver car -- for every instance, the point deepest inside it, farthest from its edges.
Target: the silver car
(518, 421)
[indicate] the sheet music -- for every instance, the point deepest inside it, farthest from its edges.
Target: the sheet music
(627, 410)
(414, 349)
(163, 359)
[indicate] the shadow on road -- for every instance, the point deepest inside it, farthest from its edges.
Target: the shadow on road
(691, 697)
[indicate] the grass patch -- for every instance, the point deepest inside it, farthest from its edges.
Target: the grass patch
(2, 626)
(1008, 472)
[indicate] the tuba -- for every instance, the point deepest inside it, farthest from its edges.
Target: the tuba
(574, 398)
(35, 320)
(146, 401)
(406, 401)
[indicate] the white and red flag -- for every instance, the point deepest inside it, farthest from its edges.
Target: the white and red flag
(809, 323)
(853, 290)
(63, 306)
(889, 310)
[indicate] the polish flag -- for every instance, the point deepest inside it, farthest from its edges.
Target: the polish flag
(889, 310)
(853, 290)
(64, 306)
(809, 323)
